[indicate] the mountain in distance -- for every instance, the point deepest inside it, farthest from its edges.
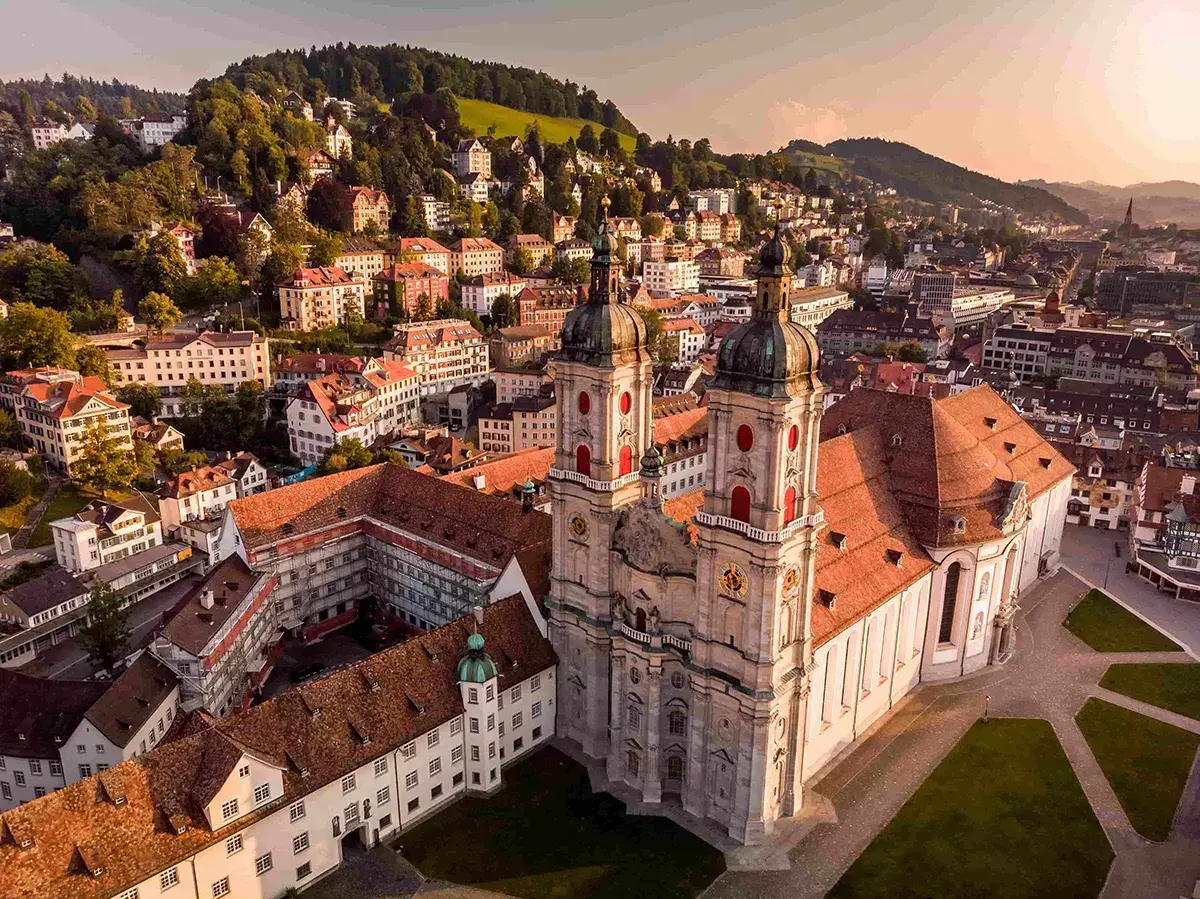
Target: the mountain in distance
(1153, 202)
(922, 176)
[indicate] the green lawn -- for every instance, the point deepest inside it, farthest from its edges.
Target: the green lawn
(547, 835)
(12, 517)
(1107, 627)
(69, 500)
(1146, 761)
(478, 115)
(1168, 686)
(1002, 816)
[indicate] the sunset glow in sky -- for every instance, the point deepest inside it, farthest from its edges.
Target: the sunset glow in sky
(1107, 90)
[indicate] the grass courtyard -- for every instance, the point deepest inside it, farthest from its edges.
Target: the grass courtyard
(1107, 627)
(1002, 816)
(479, 115)
(1175, 687)
(1146, 761)
(547, 836)
(69, 500)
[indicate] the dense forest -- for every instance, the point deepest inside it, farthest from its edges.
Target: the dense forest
(28, 97)
(388, 73)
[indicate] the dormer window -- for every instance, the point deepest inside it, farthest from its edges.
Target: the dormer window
(838, 539)
(991, 423)
(897, 440)
(958, 524)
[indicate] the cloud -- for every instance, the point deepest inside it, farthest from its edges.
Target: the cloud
(743, 131)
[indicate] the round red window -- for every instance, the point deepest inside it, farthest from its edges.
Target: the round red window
(626, 402)
(745, 438)
(585, 403)
(793, 437)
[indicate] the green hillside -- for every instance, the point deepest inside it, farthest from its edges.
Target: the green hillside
(479, 115)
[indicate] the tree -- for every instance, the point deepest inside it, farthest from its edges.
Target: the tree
(157, 264)
(216, 284)
(91, 361)
(522, 261)
(346, 454)
(572, 271)
(325, 248)
(10, 431)
(106, 632)
(159, 312)
(587, 139)
(104, 463)
(176, 460)
(912, 352)
(505, 312)
(610, 143)
(85, 110)
(31, 337)
(143, 400)
(15, 483)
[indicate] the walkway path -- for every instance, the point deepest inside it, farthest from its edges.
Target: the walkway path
(1050, 676)
(22, 537)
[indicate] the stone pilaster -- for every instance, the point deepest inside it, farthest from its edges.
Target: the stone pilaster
(652, 772)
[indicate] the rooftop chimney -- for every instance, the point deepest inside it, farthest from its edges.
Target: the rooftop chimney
(206, 599)
(477, 611)
(479, 481)
(1187, 486)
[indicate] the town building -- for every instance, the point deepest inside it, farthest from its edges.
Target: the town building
(480, 291)
(220, 638)
(475, 187)
(546, 307)
(527, 422)
(476, 256)
(686, 337)
(59, 732)
(407, 286)
(522, 344)
(437, 213)
(785, 577)
(249, 475)
(564, 227)
(812, 305)
(361, 208)
(315, 298)
(847, 331)
(670, 277)
(539, 250)
(197, 495)
(367, 404)
(513, 381)
(56, 414)
(156, 129)
(446, 353)
(361, 258)
(264, 802)
(37, 615)
(423, 249)
(721, 262)
(470, 156)
(338, 142)
(572, 249)
(214, 358)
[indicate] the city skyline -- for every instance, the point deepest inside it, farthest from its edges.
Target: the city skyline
(1089, 92)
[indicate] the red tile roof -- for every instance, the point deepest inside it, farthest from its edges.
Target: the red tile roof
(188, 483)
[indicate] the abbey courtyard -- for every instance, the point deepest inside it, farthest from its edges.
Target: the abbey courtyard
(857, 661)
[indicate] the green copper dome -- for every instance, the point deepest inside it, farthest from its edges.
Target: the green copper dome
(476, 667)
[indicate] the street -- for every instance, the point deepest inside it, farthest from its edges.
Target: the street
(68, 660)
(1088, 553)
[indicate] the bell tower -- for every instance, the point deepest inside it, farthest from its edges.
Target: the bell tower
(603, 380)
(757, 542)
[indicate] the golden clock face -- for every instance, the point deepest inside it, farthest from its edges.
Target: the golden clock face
(578, 526)
(791, 582)
(733, 581)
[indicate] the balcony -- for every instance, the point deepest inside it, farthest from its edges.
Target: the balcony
(654, 640)
(560, 474)
(764, 536)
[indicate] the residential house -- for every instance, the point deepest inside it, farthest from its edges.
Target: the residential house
(361, 258)
(36, 615)
(338, 142)
(470, 156)
(476, 256)
(480, 291)
(540, 250)
(426, 250)
(315, 298)
(686, 337)
(564, 227)
(402, 286)
(363, 207)
(297, 105)
(670, 277)
(547, 306)
(445, 353)
(56, 415)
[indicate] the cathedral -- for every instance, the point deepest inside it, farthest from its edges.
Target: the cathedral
(720, 649)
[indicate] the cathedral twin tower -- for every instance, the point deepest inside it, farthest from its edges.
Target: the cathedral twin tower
(685, 654)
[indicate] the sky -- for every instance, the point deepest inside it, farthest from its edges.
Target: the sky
(1072, 90)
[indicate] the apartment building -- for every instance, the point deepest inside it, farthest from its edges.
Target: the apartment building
(812, 305)
(363, 405)
(169, 361)
(526, 422)
(156, 129)
(476, 256)
(57, 732)
(446, 353)
(422, 249)
(39, 614)
(513, 381)
(404, 286)
(361, 208)
(671, 276)
(220, 640)
(315, 298)
(104, 532)
(687, 338)
(540, 250)
(470, 157)
(361, 258)
(194, 496)
(548, 306)
(56, 415)
(249, 475)
(437, 213)
(480, 291)
(294, 371)
(264, 802)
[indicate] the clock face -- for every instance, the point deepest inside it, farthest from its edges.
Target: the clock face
(791, 582)
(733, 581)
(578, 526)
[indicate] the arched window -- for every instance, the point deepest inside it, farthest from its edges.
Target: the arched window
(793, 437)
(949, 600)
(789, 505)
(626, 402)
(745, 438)
(583, 460)
(585, 403)
(739, 504)
(677, 723)
(625, 460)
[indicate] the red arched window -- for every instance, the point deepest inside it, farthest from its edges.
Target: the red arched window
(745, 438)
(625, 461)
(739, 504)
(626, 402)
(789, 505)
(583, 460)
(793, 437)
(585, 403)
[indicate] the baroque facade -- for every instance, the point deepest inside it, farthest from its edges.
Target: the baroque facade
(720, 648)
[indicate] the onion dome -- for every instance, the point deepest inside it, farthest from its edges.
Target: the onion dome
(652, 462)
(769, 355)
(476, 667)
(606, 330)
